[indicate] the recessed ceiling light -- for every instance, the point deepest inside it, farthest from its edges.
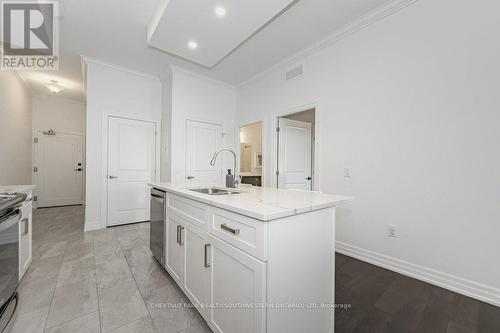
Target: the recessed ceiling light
(192, 45)
(220, 11)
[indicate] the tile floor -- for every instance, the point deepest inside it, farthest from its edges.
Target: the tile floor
(106, 281)
(101, 281)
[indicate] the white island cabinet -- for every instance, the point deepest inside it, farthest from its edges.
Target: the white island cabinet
(258, 261)
(25, 225)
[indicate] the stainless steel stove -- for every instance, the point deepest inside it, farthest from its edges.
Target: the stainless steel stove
(9, 256)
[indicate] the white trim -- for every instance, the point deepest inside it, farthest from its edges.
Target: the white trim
(103, 218)
(457, 284)
(274, 142)
(88, 60)
(90, 226)
(346, 30)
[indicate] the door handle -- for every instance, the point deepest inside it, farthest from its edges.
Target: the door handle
(112, 177)
(207, 265)
(308, 178)
(190, 177)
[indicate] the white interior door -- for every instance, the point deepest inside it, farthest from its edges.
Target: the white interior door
(59, 178)
(202, 140)
(131, 165)
(294, 155)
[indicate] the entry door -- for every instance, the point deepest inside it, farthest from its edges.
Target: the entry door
(202, 140)
(131, 165)
(59, 178)
(294, 155)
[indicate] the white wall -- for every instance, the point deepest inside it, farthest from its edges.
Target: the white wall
(166, 127)
(59, 114)
(112, 90)
(411, 105)
(198, 98)
(15, 130)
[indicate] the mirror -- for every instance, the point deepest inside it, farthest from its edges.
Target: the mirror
(251, 154)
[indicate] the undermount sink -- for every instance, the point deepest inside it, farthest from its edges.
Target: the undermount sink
(214, 191)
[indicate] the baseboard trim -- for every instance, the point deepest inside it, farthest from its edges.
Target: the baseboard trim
(92, 225)
(456, 284)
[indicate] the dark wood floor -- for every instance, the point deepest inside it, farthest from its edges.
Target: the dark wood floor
(384, 301)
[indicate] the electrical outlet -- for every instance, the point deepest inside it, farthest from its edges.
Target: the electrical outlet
(392, 231)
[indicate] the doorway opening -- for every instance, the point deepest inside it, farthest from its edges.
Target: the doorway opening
(251, 163)
(58, 168)
(296, 151)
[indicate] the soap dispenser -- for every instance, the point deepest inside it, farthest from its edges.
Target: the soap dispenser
(229, 179)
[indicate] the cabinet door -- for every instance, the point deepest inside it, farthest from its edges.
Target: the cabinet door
(25, 234)
(238, 290)
(175, 247)
(197, 268)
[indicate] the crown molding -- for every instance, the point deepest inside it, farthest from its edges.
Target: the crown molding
(364, 21)
(179, 69)
(89, 60)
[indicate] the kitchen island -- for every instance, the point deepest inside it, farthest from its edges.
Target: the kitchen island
(261, 260)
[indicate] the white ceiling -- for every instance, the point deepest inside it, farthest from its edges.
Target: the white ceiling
(180, 22)
(115, 31)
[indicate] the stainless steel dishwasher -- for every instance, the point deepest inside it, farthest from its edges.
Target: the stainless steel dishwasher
(157, 225)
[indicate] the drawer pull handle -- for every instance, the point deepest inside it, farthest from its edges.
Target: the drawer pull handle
(26, 226)
(231, 230)
(180, 235)
(207, 265)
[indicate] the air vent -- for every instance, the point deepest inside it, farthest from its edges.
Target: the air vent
(297, 71)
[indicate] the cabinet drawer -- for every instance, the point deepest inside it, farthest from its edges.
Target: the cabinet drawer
(245, 233)
(193, 211)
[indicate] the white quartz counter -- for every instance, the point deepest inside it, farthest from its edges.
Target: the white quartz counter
(261, 203)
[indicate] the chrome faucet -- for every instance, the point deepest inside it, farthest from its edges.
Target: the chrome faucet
(235, 160)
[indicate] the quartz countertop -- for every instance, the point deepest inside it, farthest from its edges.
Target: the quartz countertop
(262, 203)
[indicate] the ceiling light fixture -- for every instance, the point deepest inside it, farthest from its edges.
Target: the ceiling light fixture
(54, 87)
(220, 11)
(192, 45)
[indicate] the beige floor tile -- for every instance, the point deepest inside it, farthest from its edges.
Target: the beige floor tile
(142, 325)
(120, 305)
(86, 324)
(31, 322)
(72, 301)
(113, 272)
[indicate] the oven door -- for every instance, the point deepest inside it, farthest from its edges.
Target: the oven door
(9, 257)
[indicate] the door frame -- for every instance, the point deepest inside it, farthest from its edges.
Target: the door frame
(264, 147)
(104, 158)
(275, 142)
(34, 175)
